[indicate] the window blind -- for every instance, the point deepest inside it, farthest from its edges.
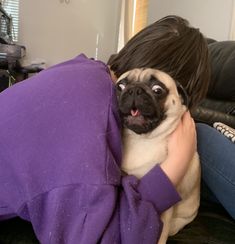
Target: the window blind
(12, 9)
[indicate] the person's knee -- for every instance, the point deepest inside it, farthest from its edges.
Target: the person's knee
(204, 131)
(207, 140)
(202, 128)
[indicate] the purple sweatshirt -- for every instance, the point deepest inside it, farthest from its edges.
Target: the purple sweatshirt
(60, 153)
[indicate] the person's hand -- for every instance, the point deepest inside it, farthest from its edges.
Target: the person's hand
(181, 148)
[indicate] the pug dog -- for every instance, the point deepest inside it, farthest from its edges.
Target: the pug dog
(151, 104)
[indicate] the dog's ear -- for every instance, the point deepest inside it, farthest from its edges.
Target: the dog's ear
(182, 92)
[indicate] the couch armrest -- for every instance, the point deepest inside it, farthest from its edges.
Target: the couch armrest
(209, 116)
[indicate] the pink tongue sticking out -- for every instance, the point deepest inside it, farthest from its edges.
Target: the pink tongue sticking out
(135, 112)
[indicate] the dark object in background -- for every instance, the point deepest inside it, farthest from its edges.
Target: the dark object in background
(17, 231)
(222, 56)
(212, 226)
(219, 105)
(4, 82)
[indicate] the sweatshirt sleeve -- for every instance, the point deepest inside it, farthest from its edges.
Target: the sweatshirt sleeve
(157, 188)
(87, 213)
(141, 205)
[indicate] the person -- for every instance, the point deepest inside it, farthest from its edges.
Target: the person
(169, 46)
(217, 154)
(173, 46)
(60, 143)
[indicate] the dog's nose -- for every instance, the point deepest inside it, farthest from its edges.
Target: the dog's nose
(135, 91)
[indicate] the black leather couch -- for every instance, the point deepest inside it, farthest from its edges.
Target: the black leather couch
(219, 106)
(213, 224)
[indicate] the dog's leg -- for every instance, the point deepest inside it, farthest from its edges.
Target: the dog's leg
(166, 218)
(185, 211)
(189, 189)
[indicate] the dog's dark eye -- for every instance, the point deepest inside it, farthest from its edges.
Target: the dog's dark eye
(121, 86)
(157, 89)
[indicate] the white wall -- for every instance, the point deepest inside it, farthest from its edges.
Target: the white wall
(213, 17)
(55, 31)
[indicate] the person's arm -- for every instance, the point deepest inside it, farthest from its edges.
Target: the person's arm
(181, 148)
(142, 202)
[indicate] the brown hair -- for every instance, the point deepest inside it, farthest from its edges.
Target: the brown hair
(171, 45)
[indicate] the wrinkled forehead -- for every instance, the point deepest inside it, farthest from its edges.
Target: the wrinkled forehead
(144, 75)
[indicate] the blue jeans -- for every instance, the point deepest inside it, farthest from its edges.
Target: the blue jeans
(217, 156)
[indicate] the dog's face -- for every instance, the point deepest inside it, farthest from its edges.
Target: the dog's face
(146, 97)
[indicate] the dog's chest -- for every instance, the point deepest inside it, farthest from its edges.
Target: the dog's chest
(140, 154)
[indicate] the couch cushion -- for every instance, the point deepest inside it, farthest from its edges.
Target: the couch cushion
(222, 85)
(212, 225)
